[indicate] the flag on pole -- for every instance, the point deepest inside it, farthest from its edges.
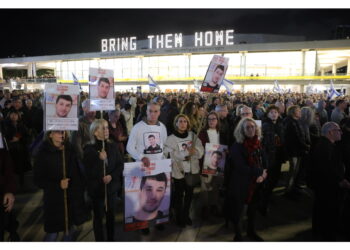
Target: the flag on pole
(76, 81)
(309, 89)
(332, 92)
(196, 85)
(152, 84)
(228, 85)
(277, 88)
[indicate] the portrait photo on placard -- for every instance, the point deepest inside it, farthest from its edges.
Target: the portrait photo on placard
(215, 74)
(147, 200)
(61, 106)
(184, 145)
(101, 87)
(152, 143)
(214, 159)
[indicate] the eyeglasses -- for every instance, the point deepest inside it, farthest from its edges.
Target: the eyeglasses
(246, 113)
(212, 119)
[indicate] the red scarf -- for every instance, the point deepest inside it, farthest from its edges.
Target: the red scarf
(252, 145)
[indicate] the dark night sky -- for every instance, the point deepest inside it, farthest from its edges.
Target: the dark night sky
(62, 31)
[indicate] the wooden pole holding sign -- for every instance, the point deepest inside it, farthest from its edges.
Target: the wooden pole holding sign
(104, 167)
(65, 192)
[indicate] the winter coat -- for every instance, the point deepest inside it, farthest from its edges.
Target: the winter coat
(239, 179)
(172, 146)
(94, 169)
(272, 141)
(18, 150)
(48, 173)
(7, 176)
(294, 138)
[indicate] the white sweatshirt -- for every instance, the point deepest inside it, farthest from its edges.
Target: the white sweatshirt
(147, 141)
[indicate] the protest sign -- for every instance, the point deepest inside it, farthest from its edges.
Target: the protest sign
(61, 107)
(101, 89)
(214, 159)
(215, 74)
(147, 194)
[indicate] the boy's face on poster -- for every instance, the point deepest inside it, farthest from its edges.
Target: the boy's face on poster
(152, 140)
(215, 160)
(218, 73)
(63, 107)
(103, 89)
(151, 195)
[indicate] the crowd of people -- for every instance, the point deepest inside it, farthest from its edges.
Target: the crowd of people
(262, 131)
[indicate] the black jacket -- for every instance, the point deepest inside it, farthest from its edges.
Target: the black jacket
(94, 168)
(294, 138)
(48, 173)
(239, 179)
(273, 141)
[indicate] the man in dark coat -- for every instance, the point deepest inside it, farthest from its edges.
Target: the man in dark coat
(327, 182)
(295, 145)
(7, 190)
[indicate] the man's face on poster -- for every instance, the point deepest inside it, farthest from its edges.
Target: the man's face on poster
(151, 195)
(103, 89)
(152, 141)
(63, 107)
(217, 74)
(215, 160)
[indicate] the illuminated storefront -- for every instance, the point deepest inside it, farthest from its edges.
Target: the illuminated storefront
(252, 66)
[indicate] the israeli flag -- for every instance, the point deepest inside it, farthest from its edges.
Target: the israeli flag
(309, 89)
(228, 85)
(196, 85)
(277, 88)
(76, 81)
(332, 93)
(152, 84)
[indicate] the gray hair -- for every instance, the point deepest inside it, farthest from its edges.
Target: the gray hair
(245, 107)
(238, 109)
(95, 125)
(328, 126)
(239, 131)
(307, 115)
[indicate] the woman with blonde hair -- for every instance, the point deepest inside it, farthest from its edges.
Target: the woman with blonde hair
(185, 149)
(190, 109)
(104, 165)
(245, 176)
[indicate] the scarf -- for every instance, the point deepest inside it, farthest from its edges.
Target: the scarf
(179, 135)
(252, 145)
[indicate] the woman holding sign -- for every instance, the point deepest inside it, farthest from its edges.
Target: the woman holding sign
(210, 183)
(104, 165)
(185, 150)
(247, 174)
(49, 175)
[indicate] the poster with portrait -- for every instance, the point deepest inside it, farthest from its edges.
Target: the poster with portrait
(215, 74)
(152, 143)
(214, 159)
(61, 107)
(184, 145)
(101, 89)
(147, 194)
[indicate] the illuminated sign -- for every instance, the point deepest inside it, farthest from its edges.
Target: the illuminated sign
(169, 41)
